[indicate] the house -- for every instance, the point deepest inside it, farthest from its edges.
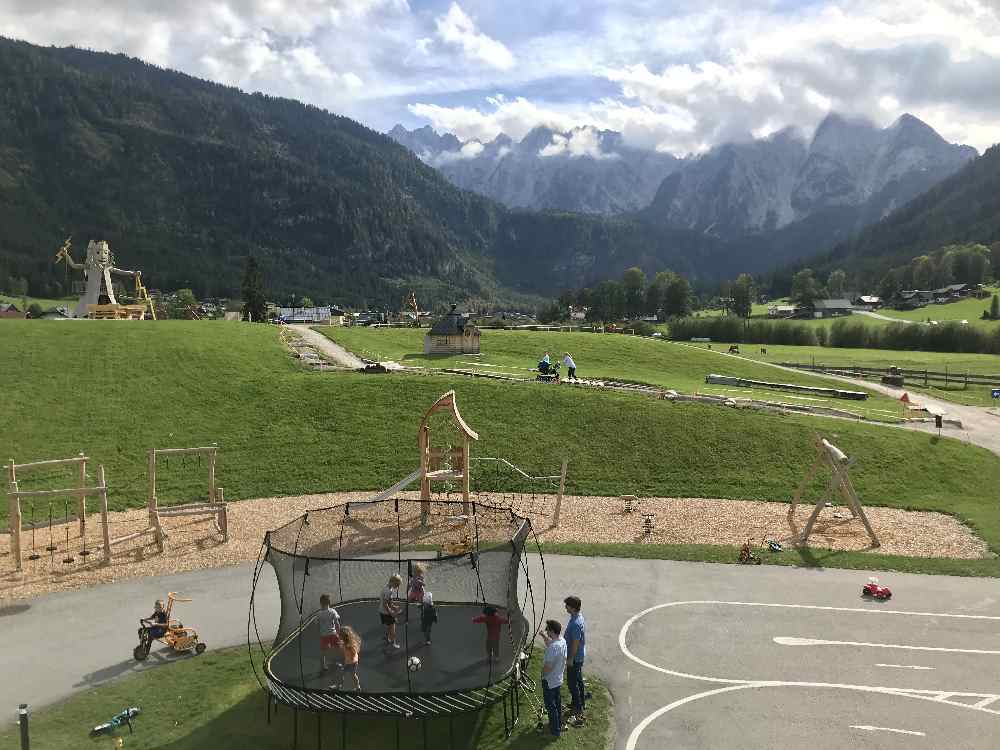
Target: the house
(953, 292)
(10, 311)
(452, 334)
(782, 311)
(576, 312)
(911, 299)
(868, 302)
(312, 315)
(832, 308)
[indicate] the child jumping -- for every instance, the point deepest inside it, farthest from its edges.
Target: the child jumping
(388, 610)
(415, 591)
(350, 646)
(328, 621)
(428, 616)
(493, 621)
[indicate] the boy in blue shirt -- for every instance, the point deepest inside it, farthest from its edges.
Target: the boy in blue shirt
(576, 647)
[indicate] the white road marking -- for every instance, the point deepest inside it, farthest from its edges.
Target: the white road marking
(887, 729)
(792, 641)
(938, 696)
(904, 666)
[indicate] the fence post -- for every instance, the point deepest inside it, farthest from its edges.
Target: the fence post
(562, 491)
(211, 476)
(106, 532)
(82, 500)
(22, 722)
(14, 518)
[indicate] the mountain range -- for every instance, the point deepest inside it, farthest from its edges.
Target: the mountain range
(186, 178)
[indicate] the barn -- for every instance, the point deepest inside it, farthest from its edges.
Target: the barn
(452, 334)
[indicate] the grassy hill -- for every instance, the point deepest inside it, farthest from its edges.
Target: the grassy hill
(969, 309)
(115, 390)
(610, 357)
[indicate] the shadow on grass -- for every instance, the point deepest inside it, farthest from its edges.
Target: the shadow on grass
(245, 725)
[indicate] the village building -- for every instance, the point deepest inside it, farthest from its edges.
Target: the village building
(10, 311)
(452, 334)
(312, 315)
(868, 302)
(832, 308)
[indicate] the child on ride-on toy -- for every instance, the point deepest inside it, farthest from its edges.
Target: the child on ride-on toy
(156, 623)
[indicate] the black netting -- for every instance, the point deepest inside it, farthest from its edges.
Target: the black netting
(473, 556)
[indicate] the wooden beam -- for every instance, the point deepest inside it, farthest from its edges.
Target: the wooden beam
(54, 462)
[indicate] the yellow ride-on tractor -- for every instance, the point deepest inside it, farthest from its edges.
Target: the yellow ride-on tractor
(172, 633)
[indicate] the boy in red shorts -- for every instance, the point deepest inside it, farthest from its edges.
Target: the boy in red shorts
(328, 621)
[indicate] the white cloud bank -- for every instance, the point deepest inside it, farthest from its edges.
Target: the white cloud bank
(456, 28)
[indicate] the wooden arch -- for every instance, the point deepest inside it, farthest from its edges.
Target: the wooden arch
(432, 463)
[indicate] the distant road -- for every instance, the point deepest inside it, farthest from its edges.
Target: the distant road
(877, 316)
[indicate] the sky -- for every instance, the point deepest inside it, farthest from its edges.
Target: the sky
(677, 76)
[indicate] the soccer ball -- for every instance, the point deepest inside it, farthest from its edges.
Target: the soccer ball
(413, 664)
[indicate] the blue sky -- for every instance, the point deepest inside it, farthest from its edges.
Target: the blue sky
(677, 76)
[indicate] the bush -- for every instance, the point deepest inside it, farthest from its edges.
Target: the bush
(641, 327)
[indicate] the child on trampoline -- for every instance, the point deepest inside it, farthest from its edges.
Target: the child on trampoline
(350, 647)
(428, 616)
(415, 591)
(493, 621)
(328, 621)
(387, 609)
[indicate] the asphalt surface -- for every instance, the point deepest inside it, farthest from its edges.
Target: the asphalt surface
(705, 671)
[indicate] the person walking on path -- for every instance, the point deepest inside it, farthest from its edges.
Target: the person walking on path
(576, 644)
(570, 366)
(553, 666)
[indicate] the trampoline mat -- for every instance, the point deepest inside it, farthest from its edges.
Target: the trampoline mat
(455, 660)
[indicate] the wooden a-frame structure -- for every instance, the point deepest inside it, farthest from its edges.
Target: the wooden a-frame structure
(432, 460)
(829, 455)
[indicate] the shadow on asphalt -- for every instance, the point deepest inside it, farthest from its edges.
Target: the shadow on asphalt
(13, 609)
(156, 659)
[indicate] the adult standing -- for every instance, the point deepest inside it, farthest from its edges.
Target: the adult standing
(553, 666)
(570, 366)
(576, 643)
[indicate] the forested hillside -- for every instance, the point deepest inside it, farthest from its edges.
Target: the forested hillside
(185, 178)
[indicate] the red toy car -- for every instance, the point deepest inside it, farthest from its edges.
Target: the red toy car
(875, 591)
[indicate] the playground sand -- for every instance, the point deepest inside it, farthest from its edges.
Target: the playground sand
(194, 543)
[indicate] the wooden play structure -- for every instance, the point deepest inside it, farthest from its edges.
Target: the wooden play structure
(829, 455)
(439, 465)
(81, 492)
(215, 507)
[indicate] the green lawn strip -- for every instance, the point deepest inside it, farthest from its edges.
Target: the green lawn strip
(603, 357)
(117, 390)
(809, 558)
(214, 701)
(43, 302)
(954, 364)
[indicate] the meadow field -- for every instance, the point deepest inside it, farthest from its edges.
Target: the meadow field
(603, 357)
(114, 390)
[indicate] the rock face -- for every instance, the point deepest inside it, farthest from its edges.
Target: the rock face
(768, 184)
(583, 170)
(849, 174)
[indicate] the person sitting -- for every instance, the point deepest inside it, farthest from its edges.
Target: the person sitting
(157, 622)
(544, 364)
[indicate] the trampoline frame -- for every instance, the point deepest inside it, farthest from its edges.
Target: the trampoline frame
(505, 689)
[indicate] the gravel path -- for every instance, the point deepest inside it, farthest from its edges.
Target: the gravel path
(877, 316)
(334, 351)
(194, 544)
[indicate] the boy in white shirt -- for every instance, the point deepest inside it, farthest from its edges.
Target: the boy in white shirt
(570, 366)
(328, 621)
(553, 667)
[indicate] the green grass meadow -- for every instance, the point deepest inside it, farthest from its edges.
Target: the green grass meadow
(214, 701)
(604, 357)
(116, 389)
(969, 309)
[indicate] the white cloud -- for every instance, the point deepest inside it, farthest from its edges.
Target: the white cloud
(579, 142)
(456, 28)
(469, 150)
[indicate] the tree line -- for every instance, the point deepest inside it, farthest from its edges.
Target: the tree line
(667, 295)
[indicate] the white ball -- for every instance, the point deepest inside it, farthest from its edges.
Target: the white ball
(413, 664)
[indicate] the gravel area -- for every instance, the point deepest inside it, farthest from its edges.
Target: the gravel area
(195, 544)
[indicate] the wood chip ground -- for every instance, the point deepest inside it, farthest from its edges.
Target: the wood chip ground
(194, 543)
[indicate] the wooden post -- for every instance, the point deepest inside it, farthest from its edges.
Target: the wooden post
(211, 475)
(106, 532)
(15, 523)
(82, 500)
(223, 515)
(466, 476)
(425, 483)
(562, 491)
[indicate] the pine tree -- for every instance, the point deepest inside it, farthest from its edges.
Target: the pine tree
(995, 308)
(254, 298)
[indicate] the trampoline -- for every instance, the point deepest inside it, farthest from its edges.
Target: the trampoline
(474, 557)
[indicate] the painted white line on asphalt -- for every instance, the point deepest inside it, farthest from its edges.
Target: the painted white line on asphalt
(937, 696)
(904, 666)
(782, 640)
(887, 729)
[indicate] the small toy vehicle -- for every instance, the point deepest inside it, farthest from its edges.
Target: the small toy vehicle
(548, 373)
(175, 635)
(124, 717)
(873, 590)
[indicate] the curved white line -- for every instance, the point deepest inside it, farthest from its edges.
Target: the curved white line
(633, 738)
(915, 692)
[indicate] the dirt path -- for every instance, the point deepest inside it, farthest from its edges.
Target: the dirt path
(980, 426)
(334, 351)
(877, 316)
